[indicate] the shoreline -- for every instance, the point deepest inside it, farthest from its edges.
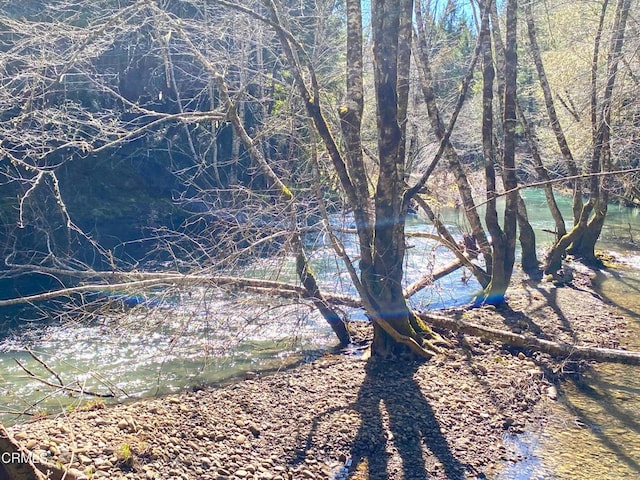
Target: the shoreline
(341, 417)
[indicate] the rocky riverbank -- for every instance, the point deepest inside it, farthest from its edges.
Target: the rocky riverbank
(342, 416)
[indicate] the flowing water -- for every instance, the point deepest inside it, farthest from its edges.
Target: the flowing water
(595, 428)
(160, 342)
(202, 336)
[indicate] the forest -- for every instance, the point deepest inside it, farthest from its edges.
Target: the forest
(151, 146)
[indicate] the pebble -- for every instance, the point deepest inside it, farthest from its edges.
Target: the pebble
(250, 430)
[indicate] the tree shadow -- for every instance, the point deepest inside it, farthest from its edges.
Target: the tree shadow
(519, 321)
(409, 425)
(630, 284)
(613, 412)
(551, 297)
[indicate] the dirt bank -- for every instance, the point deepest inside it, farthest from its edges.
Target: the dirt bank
(344, 417)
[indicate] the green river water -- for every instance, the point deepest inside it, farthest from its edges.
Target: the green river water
(594, 432)
(201, 336)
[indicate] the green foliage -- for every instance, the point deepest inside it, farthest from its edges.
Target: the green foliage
(95, 404)
(124, 455)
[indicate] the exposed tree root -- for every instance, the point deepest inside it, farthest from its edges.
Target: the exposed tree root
(529, 342)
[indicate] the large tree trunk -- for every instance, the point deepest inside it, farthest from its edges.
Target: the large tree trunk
(503, 239)
(601, 158)
(391, 39)
(509, 121)
(497, 282)
(527, 234)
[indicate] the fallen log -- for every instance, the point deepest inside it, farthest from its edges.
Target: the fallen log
(530, 342)
(286, 290)
(431, 279)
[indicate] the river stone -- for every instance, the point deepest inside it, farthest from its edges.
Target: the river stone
(240, 439)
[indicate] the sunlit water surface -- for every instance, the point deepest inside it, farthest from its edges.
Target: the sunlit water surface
(594, 431)
(201, 337)
(193, 337)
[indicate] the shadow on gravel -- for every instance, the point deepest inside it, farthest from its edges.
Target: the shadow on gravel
(412, 425)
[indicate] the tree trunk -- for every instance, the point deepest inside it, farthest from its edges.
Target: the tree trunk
(553, 260)
(542, 172)
(601, 159)
(497, 283)
(551, 111)
(509, 121)
(530, 262)
(503, 239)
(384, 281)
(437, 125)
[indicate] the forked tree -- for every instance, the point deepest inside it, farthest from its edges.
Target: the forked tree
(378, 193)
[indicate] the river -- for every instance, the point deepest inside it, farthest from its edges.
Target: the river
(204, 336)
(182, 339)
(595, 431)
